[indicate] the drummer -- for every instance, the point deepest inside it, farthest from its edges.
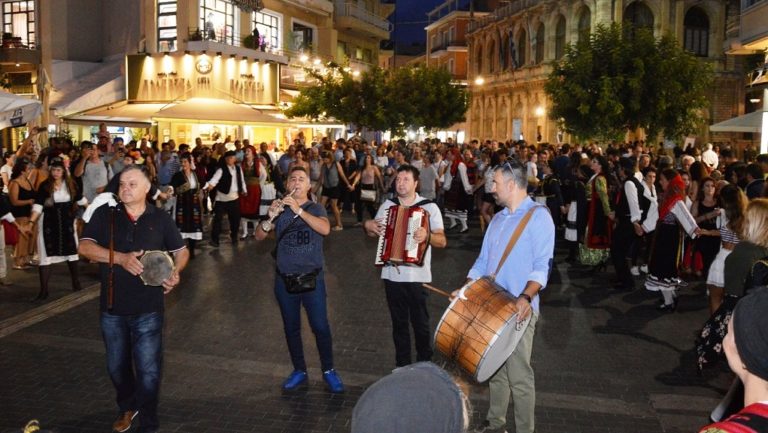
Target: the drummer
(524, 274)
(133, 328)
(406, 297)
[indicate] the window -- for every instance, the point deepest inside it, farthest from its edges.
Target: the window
(19, 21)
(522, 42)
(218, 21)
(268, 27)
(540, 44)
(491, 55)
(585, 25)
(638, 16)
(341, 51)
(303, 37)
(367, 55)
(696, 33)
(166, 25)
(450, 66)
(560, 38)
(479, 64)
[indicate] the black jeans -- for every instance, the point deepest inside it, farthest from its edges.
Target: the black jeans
(408, 306)
(232, 209)
(624, 237)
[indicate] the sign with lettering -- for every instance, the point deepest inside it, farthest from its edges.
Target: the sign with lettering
(178, 77)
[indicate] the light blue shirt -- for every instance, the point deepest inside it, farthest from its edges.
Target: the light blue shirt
(531, 257)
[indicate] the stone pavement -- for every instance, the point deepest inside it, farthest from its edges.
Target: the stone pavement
(604, 361)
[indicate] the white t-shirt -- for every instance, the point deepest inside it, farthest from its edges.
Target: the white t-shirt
(413, 274)
(7, 169)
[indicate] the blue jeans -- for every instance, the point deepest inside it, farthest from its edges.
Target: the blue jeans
(135, 343)
(314, 304)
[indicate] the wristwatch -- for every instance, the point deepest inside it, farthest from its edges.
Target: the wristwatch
(266, 226)
(526, 297)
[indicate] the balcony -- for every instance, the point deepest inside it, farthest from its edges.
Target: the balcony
(443, 48)
(213, 43)
(14, 52)
(753, 26)
(351, 17)
(511, 8)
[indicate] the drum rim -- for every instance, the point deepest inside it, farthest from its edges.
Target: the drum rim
(165, 254)
(527, 321)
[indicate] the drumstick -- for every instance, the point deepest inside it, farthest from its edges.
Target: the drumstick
(436, 290)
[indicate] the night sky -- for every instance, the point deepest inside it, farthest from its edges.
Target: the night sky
(410, 18)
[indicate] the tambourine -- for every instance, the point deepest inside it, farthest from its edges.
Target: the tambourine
(158, 267)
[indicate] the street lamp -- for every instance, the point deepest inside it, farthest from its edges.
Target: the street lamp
(538, 111)
(479, 81)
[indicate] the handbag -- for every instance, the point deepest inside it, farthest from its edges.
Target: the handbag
(368, 195)
(11, 233)
(299, 283)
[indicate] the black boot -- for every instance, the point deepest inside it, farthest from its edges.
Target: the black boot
(191, 246)
(74, 272)
(45, 275)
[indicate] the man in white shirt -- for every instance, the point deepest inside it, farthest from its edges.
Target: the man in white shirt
(710, 158)
(406, 297)
(229, 183)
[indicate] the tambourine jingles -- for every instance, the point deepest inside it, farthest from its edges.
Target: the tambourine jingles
(158, 267)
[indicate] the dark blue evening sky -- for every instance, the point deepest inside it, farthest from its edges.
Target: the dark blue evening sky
(410, 18)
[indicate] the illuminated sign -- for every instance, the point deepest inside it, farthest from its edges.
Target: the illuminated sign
(181, 76)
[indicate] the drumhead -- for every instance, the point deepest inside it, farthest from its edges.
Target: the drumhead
(158, 267)
(498, 351)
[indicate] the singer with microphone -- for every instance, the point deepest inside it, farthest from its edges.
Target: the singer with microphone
(300, 225)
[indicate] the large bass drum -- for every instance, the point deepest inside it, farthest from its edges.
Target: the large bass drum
(480, 332)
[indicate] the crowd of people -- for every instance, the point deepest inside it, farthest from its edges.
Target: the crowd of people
(663, 217)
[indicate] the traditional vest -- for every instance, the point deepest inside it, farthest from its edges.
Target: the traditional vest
(226, 179)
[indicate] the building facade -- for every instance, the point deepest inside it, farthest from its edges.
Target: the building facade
(511, 49)
(183, 69)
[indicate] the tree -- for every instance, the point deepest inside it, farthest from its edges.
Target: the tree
(621, 80)
(382, 100)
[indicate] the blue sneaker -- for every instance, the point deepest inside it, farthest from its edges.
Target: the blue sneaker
(296, 379)
(334, 381)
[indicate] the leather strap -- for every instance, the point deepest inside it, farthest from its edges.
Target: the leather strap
(111, 281)
(513, 240)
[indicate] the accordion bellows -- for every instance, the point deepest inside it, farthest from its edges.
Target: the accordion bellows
(397, 246)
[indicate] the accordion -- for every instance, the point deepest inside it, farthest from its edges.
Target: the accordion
(397, 246)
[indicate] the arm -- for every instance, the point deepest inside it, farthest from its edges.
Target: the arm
(89, 249)
(6, 178)
(602, 192)
(180, 259)
(630, 190)
(214, 180)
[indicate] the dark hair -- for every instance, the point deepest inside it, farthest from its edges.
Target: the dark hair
(755, 171)
(700, 194)
(411, 169)
(669, 173)
(698, 171)
(19, 167)
(733, 200)
(8, 154)
(627, 165)
(605, 169)
(649, 169)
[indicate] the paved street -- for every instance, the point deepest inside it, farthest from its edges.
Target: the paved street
(604, 361)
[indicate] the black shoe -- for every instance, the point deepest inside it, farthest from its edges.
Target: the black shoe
(40, 297)
(668, 308)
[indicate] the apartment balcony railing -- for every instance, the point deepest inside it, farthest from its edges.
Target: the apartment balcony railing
(347, 9)
(444, 45)
(509, 9)
(16, 51)
(212, 41)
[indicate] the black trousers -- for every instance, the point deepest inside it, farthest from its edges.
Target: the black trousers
(408, 308)
(624, 237)
(232, 209)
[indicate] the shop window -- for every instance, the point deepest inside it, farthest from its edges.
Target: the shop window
(167, 34)
(268, 26)
(217, 19)
(696, 35)
(19, 23)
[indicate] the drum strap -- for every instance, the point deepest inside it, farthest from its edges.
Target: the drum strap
(513, 240)
(111, 281)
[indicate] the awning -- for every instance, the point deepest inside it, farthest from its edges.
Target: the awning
(208, 110)
(750, 122)
(104, 85)
(119, 114)
(17, 110)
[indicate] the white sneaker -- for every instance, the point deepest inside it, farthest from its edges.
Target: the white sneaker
(634, 270)
(644, 269)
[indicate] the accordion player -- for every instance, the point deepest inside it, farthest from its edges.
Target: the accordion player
(396, 245)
